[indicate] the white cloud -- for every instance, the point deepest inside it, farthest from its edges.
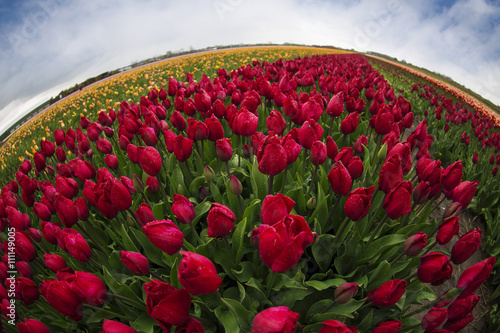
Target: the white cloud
(57, 43)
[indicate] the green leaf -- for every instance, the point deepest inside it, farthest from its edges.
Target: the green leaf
(366, 323)
(144, 324)
(227, 318)
(377, 247)
(120, 288)
(173, 274)
(243, 316)
(288, 296)
(322, 285)
(237, 239)
(195, 185)
(250, 211)
(322, 250)
(336, 311)
(246, 271)
(158, 211)
(380, 275)
(129, 244)
(261, 180)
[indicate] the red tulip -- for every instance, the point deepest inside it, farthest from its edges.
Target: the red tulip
(220, 220)
(415, 244)
(435, 268)
(54, 262)
(447, 229)
(66, 210)
(272, 157)
(24, 249)
(32, 326)
(335, 326)
(111, 326)
(39, 160)
(452, 176)
(166, 304)
(292, 148)
(144, 214)
(458, 324)
(389, 293)
(215, 129)
(275, 122)
(275, 208)
(331, 148)
(89, 288)
(466, 246)
(178, 121)
(421, 192)
(196, 130)
(150, 161)
(358, 203)
(183, 148)
(223, 149)
(434, 318)
(282, 244)
(165, 235)
(392, 326)
(350, 123)
(398, 202)
(135, 261)
(26, 290)
(318, 153)
(309, 133)
(60, 296)
(49, 231)
(336, 105)
(111, 161)
(278, 319)
(462, 306)
(244, 122)
(464, 192)
(183, 209)
(340, 179)
(391, 174)
(198, 274)
(72, 241)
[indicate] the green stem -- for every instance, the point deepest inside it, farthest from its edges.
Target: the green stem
(430, 247)
(229, 249)
(270, 185)
(311, 184)
(270, 282)
(397, 258)
(157, 276)
(328, 307)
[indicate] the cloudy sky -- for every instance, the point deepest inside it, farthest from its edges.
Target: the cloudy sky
(49, 45)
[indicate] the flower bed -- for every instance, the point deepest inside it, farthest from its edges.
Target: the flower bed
(277, 197)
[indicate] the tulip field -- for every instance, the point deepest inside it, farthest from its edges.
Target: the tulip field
(273, 189)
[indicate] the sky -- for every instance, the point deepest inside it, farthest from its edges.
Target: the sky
(50, 45)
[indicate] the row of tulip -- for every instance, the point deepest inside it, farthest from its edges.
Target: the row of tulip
(275, 197)
(470, 135)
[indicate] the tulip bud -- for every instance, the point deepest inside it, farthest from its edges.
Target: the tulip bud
(209, 174)
(415, 244)
(466, 246)
(152, 184)
(235, 185)
(382, 153)
(392, 326)
(447, 229)
(166, 304)
(135, 261)
(345, 292)
(452, 210)
(54, 262)
(311, 203)
(138, 183)
(435, 268)
(220, 220)
(165, 235)
(198, 274)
